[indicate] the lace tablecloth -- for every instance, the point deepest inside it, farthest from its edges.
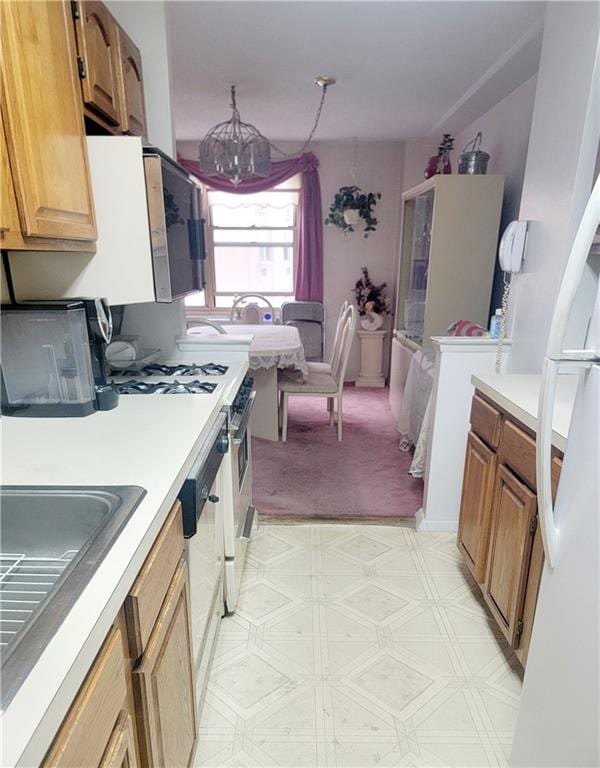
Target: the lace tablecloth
(272, 346)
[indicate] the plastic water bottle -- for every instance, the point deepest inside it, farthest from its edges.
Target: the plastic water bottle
(496, 324)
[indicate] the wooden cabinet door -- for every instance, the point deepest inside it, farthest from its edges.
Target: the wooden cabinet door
(512, 529)
(476, 505)
(164, 683)
(120, 752)
(89, 728)
(10, 226)
(44, 121)
(534, 576)
(98, 46)
(133, 113)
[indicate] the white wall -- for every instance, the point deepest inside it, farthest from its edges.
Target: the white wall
(416, 154)
(145, 22)
(505, 128)
(558, 174)
(505, 137)
(379, 169)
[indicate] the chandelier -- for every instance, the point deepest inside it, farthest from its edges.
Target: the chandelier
(236, 151)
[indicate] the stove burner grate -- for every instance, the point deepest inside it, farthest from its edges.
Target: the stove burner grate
(166, 387)
(182, 369)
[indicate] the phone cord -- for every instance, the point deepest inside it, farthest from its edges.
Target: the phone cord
(504, 312)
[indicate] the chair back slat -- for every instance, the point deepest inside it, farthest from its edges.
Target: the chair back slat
(348, 331)
(335, 352)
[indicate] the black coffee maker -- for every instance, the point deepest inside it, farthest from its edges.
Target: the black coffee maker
(100, 329)
(53, 358)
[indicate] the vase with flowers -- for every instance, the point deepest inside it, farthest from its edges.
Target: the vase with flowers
(372, 302)
(440, 163)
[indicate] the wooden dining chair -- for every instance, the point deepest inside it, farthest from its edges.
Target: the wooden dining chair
(329, 385)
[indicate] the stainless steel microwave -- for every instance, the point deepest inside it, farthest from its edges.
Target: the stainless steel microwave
(176, 228)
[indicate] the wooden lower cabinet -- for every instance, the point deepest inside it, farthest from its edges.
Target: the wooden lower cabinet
(120, 752)
(476, 505)
(139, 710)
(98, 730)
(498, 532)
(164, 683)
(536, 566)
(513, 524)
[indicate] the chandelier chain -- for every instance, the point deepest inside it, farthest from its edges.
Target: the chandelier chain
(236, 151)
(310, 135)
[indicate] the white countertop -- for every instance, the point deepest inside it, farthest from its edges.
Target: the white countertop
(148, 440)
(518, 395)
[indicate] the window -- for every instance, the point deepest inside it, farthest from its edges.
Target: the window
(251, 245)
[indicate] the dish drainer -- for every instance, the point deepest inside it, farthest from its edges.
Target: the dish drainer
(25, 582)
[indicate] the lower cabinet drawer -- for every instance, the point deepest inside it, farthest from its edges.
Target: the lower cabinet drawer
(98, 726)
(485, 421)
(517, 450)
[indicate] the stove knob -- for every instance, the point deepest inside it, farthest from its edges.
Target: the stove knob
(214, 499)
(223, 445)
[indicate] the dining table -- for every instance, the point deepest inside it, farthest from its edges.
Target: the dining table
(273, 348)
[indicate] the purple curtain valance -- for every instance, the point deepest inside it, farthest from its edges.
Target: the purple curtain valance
(309, 273)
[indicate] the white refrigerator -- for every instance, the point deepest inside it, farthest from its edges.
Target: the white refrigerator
(559, 717)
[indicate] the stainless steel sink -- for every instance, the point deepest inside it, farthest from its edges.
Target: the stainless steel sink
(52, 541)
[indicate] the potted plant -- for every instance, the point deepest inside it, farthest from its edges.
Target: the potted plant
(349, 206)
(371, 301)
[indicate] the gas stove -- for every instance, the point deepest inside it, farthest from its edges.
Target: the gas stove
(178, 369)
(195, 387)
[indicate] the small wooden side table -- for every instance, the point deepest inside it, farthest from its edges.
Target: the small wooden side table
(371, 359)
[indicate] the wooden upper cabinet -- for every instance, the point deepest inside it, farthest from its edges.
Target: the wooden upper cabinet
(513, 526)
(98, 48)
(476, 505)
(131, 89)
(10, 227)
(44, 121)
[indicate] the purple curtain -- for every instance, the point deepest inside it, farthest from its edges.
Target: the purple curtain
(309, 272)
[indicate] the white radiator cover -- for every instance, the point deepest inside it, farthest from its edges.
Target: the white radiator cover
(402, 351)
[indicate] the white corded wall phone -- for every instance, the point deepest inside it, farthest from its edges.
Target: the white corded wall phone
(510, 257)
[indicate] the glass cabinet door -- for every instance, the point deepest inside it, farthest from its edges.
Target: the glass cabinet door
(414, 306)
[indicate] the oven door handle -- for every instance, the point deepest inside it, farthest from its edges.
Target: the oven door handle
(241, 429)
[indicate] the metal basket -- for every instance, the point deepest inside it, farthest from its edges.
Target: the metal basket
(473, 161)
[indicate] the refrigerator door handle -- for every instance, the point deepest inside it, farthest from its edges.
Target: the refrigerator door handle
(573, 273)
(543, 451)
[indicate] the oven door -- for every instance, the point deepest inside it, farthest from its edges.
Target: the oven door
(241, 457)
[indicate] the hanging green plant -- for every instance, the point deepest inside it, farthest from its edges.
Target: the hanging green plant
(349, 206)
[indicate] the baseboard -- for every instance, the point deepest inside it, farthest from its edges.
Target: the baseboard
(423, 525)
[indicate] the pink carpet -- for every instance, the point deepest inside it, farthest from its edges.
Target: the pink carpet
(312, 475)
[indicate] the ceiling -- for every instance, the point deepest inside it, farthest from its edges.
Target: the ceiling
(404, 69)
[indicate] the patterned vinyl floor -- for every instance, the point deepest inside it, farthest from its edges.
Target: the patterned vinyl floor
(358, 645)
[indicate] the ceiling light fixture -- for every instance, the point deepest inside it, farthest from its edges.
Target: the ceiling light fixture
(236, 151)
